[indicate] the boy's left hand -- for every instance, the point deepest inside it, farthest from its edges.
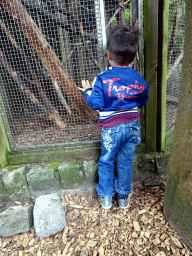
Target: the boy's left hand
(85, 85)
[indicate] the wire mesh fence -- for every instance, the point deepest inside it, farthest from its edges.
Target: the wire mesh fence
(175, 57)
(47, 48)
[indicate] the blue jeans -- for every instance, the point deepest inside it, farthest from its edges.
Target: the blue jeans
(119, 140)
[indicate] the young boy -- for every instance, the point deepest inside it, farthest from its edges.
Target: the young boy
(117, 93)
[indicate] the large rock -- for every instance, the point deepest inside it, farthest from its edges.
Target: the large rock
(161, 161)
(15, 220)
(90, 167)
(49, 215)
(42, 181)
(143, 166)
(71, 174)
(13, 184)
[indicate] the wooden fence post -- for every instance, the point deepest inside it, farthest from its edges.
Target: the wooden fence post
(155, 45)
(4, 140)
(150, 73)
(162, 73)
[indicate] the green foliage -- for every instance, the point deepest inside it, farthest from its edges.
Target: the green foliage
(114, 21)
(53, 165)
(11, 242)
(18, 192)
(13, 167)
(128, 17)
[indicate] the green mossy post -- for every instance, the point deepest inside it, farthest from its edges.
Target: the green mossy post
(150, 72)
(178, 193)
(156, 15)
(4, 144)
(5, 147)
(162, 73)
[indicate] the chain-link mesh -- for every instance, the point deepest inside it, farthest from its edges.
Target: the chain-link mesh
(47, 48)
(175, 57)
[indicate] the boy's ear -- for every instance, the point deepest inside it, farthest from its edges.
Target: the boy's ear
(109, 55)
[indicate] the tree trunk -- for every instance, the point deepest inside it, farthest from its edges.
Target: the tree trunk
(178, 193)
(46, 53)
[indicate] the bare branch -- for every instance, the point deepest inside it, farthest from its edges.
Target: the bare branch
(173, 36)
(121, 5)
(172, 67)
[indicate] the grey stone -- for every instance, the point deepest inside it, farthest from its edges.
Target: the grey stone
(152, 183)
(14, 184)
(71, 175)
(15, 220)
(49, 215)
(83, 253)
(90, 167)
(161, 161)
(42, 181)
(143, 166)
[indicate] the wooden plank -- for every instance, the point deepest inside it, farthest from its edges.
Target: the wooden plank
(151, 58)
(163, 20)
(156, 15)
(5, 146)
(141, 62)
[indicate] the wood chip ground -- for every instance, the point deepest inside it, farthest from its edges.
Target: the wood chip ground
(92, 231)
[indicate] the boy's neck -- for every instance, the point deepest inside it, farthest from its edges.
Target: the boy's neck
(114, 64)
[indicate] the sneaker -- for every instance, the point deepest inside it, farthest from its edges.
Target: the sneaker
(106, 202)
(124, 202)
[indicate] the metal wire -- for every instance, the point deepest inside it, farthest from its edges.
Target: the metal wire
(47, 48)
(175, 57)
(40, 108)
(44, 59)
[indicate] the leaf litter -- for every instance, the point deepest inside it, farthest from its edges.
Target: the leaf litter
(141, 229)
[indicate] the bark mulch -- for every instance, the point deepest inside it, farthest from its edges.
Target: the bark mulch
(92, 231)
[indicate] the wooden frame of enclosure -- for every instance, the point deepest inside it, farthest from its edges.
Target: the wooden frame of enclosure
(153, 119)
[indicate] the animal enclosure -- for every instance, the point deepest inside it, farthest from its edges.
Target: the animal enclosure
(49, 46)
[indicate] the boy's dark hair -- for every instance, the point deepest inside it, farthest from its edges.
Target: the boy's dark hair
(123, 44)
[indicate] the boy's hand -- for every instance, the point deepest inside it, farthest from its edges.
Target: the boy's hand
(85, 85)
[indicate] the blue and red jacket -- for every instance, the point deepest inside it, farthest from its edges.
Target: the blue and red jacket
(117, 94)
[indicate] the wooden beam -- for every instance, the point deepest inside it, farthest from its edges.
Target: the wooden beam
(150, 72)
(162, 73)
(156, 15)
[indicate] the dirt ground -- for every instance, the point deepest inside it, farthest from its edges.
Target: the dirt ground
(35, 131)
(32, 132)
(92, 231)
